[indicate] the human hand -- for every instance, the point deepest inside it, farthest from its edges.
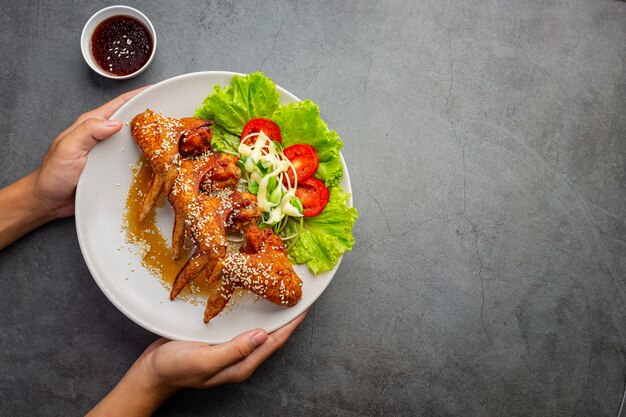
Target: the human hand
(174, 365)
(55, 180)
(167, 366)
(48, 192)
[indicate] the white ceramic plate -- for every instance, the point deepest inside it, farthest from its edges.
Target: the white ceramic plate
(115, 265)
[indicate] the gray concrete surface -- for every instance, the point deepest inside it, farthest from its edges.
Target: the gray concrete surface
(486, 142)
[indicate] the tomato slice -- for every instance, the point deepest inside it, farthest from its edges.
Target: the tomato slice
(314, 196)
(304, 159)
(260, 124)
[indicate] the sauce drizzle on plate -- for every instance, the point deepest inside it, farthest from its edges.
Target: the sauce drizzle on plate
(156, 254)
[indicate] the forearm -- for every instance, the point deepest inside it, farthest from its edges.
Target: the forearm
(134, 396)
(22, 210)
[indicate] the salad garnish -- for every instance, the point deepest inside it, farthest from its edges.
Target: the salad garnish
(290, 160)
(264, 170)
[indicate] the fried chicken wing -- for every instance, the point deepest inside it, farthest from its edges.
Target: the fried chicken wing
(200, 186)
(262, 268)
(163, 140)
(190, 204)
(195, 138)
(154, 135)
(222, 173)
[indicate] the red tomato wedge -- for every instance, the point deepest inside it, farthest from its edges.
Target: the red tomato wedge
(304, 159)
(266, 126)
(314, 196)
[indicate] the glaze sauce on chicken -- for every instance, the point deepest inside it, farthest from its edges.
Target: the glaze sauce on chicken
(121, 45)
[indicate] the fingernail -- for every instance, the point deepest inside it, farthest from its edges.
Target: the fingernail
(258, 338)
(112, 123)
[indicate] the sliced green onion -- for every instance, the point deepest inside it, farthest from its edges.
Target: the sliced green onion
(263, 170)
(242, 167)
(272, 183)
(297, 203)
(253, 187)
(275, 195)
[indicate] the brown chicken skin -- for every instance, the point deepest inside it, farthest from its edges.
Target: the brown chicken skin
(261, 267)
(159, 138)
(199, 185)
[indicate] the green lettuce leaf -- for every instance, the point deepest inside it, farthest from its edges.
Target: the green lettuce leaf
(301, 123)
(223, 141)
(246, 97)
(325, 237)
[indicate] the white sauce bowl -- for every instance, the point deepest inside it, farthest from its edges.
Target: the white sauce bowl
(99, 17)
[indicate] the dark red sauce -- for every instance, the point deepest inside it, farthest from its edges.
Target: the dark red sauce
(121, 45)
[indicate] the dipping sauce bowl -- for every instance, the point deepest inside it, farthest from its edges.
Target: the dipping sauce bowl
(118, 42)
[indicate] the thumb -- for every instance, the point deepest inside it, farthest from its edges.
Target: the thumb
(236, 350)
(85, 136)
